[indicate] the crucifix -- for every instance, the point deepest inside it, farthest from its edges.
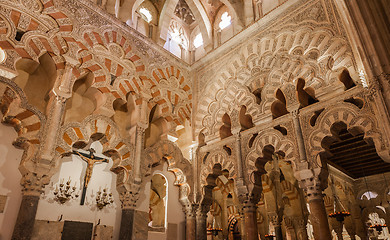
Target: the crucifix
(90, 159)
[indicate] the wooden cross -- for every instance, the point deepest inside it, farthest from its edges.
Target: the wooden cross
(90, 159)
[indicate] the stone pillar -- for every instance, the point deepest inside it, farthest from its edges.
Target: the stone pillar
(290, 231)
(126, 227)
(312, 181)
(32, 188)
(301, 229)
(318, 215)
(250, 221)
(128, 199)
(274, 218)
(201, 222)
(190, 222)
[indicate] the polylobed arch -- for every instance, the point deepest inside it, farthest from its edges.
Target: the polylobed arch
(24, 118)
(229, 100)
(177, 164)
(279, 143)
(353, 118)
(104, 130)
(217, 157)
(260, 52)
(200, 15)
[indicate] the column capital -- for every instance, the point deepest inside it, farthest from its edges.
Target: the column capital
(249, 206)
(34, 183)
(129, 198)
(289, 222)
(312, 182)
(274, 218)
(191, 210)
(202, 210)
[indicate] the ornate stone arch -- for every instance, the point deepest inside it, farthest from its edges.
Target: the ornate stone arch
(313, 54)
(229, 100)
(217, 157)
(353, 117)
(275, 139)
(31, 35)
(116, 66)
(181, 167)
(24, 118)
(172, 91)
(102, 129)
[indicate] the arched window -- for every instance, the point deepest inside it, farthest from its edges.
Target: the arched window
(223, 26)
(146, 15)
(226, 21)
(198, 40)
(177, 42)
(147, 19)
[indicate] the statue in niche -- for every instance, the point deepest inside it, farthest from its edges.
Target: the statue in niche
(157, 203)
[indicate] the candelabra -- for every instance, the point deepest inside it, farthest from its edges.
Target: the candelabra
(64, 192)
(103, 199)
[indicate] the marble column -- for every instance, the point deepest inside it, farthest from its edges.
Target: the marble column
(26, 217)
(301, 229)
(319, 219)
(190, 223)
(250, 220)
(32, 188)
(274, 218)
(126, 227)
(290, 231)
(201, 224)
(128, 200)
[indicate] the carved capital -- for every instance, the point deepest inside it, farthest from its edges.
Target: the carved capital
(202, 211)
(33, 183)
(274, 219)
(374, 89)
(249, 206)
(191, 210)
(288, 222)
(312, 182)
(129, 199)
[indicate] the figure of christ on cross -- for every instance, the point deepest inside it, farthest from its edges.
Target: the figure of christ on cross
(90, 159)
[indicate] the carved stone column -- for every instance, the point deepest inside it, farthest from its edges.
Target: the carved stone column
(129, 199)
(32, 188)
(250, 220)
(318, 215)
(301, 229)
(201, 222)
(312, 181)
(290, 231)
(275, 219)
(191, 222)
